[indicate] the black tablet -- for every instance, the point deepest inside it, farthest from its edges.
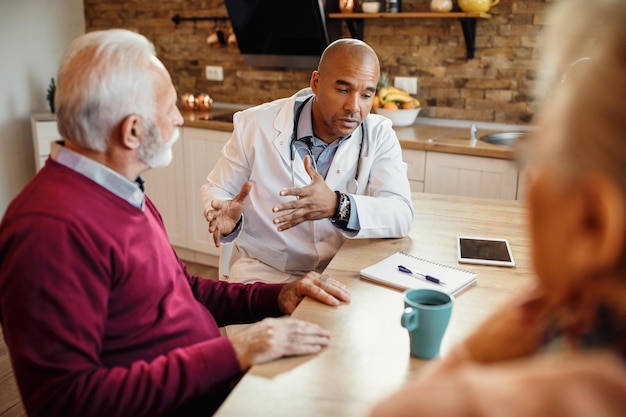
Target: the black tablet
(484, 250)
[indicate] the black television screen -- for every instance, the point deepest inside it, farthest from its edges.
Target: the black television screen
(279, 33)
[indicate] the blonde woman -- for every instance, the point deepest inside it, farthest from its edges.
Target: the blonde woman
(559, 349)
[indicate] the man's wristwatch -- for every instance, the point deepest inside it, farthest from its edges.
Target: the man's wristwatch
(342, 214)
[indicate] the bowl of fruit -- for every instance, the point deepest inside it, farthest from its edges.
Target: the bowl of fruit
(397, 105)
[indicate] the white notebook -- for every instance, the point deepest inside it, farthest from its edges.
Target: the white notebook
(387, 272)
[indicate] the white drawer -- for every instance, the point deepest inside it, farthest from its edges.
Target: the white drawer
(416, 161)
(46, 133)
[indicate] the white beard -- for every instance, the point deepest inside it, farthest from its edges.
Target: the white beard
(163, 156)
(153, 152)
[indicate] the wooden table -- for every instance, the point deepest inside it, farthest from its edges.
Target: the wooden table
(368, 356)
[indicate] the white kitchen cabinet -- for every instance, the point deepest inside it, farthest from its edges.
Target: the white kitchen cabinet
(45, 132)
(175, 190)
(202, 150)
(416, 166)
(473, 176)
(166, 187)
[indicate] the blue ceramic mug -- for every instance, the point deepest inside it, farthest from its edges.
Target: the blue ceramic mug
(426, 316)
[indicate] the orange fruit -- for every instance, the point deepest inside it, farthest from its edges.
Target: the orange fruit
(376, 103)
(411, 104)
(390, 105)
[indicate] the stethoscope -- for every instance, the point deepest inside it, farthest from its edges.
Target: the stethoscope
(353, 185)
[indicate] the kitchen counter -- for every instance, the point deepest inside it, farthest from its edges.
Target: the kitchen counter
(220, 116)
(448, 136)
(453, 136)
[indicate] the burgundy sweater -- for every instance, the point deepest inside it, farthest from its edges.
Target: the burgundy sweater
(100, 316)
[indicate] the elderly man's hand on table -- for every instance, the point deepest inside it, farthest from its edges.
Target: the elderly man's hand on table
(273, 338)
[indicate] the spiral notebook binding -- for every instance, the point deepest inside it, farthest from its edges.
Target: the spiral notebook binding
(434, 263)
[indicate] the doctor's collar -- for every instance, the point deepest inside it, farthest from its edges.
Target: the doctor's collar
(304, 120)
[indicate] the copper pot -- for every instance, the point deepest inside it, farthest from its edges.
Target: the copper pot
(204, 102)
(347, 6)
(188, 102)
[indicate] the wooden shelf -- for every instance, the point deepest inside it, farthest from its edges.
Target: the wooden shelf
(355, 24)
(411, 15)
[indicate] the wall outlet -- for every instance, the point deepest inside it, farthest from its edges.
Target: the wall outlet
(408, 84)
(214, 73)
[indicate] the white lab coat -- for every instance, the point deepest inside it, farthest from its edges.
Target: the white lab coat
(259, 151)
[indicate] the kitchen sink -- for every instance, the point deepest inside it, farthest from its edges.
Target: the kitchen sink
(504, 138)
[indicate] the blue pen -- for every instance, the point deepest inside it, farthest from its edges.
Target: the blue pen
(429, 278)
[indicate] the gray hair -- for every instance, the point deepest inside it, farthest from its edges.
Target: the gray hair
(101, 80)
(583, 82)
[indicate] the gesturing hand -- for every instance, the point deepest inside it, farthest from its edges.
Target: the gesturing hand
(314, 201)
(272, 338)
(226, 213)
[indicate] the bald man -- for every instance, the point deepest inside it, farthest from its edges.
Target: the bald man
(301, 174)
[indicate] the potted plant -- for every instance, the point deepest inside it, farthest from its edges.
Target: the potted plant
(50, 94)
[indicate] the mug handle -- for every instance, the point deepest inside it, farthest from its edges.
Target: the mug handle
(494, 2)
(409, 319)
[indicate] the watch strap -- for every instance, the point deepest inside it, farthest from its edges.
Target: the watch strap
(342, 213)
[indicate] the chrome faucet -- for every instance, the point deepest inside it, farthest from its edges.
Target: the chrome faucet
(473, 137)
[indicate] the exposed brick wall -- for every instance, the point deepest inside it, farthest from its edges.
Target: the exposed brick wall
(497, 85)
